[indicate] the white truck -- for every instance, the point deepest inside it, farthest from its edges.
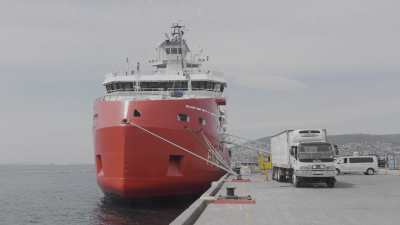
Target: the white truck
(303, 156)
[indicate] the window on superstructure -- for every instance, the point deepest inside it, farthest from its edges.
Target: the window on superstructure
(109, 88)
(182, 85)
(174, 51)
(217, 87)
(124, 86)
(117, 86)
(130, 85)
(210, 85)
(195, 85)
(221, 89)
(183, 117)
(202, 121)
(168, 50)
(166, 85)
(179, 50)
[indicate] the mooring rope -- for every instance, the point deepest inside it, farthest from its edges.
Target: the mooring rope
(228, 170)
(214, 151)
(205, 142)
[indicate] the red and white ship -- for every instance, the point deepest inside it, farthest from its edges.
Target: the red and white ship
(161, 134)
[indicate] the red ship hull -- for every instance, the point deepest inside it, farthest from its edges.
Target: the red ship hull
(131, 163)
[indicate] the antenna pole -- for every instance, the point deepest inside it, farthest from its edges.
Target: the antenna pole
(179, 31)
(137, 76)
(127, 65)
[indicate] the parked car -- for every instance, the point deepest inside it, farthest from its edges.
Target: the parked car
(357, 164)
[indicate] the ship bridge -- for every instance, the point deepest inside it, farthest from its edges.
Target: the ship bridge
(178, 72)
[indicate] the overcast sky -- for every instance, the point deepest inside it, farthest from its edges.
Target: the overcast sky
(289, 64)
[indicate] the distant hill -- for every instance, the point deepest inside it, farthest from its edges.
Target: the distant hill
(347, 143)
(366, 143)
(365, 138)
(357, 138)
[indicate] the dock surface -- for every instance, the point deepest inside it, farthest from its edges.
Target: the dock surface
(356, 199)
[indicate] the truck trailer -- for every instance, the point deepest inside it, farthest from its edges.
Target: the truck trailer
(303, 156)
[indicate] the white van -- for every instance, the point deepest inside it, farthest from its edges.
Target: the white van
(356, 164)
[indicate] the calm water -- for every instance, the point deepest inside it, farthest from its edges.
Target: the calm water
(69, 195)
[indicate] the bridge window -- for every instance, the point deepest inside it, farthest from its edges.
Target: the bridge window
(109, 88)
(117, 86)
(168, 50)
(127, 86)
(165, 85)
(208, 85)
(174, 51)
(217, 87)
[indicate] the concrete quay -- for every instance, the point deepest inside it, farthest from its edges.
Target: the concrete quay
(356, 199)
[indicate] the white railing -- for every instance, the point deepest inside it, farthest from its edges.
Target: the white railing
(159, 93)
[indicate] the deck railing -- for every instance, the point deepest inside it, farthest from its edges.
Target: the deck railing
(160, 93)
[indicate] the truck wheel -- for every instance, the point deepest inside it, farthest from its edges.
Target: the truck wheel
(273, 173)
(330, 183)
(337, 171)
(295, 181)
(370, 171)
(280, 177)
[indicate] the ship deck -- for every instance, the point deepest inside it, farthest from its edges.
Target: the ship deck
(356, 199)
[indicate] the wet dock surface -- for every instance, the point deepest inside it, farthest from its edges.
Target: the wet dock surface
(356, 199)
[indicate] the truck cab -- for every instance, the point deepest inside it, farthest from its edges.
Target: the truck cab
(312, 162)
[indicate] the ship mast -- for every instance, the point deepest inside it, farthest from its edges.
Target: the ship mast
(177, 33)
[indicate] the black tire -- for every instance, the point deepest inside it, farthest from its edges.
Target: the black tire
(273, 173)
(278, 175)
(370, 171)
(337, 171)
(296, 181)
(330, 183)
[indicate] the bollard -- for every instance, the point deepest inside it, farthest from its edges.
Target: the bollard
(230, 192)
(236, 170)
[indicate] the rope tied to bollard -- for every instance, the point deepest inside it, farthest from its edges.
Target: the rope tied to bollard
(228, 170)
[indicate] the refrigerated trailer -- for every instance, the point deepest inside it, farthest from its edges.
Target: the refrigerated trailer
(303, 156)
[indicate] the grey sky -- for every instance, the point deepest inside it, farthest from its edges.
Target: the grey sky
(331, 64)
